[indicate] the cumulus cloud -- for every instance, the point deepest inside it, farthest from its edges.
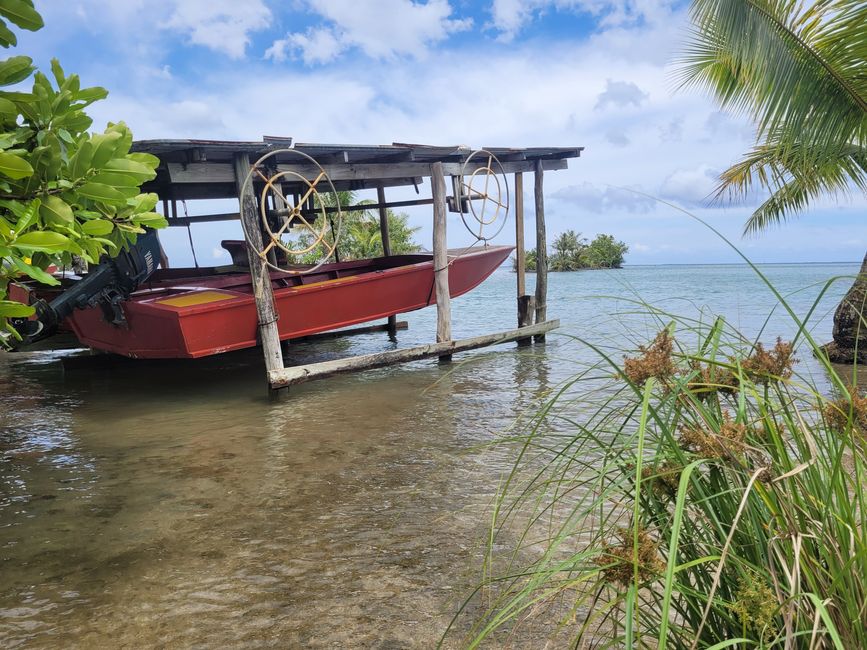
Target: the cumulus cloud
(672, 131)
(509, 17)
(617, 138)
(691, 187)
(382, 29)
(620, 94)
(593, 198)
(221, 25)
(317, 45)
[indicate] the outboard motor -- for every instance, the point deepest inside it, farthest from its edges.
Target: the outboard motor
(108, 285)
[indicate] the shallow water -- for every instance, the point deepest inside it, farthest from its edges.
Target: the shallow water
(172, 504)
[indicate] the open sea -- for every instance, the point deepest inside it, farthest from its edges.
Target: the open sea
(173, 505)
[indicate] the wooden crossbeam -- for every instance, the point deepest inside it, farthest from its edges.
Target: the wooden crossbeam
(208, 172)
(300, 374)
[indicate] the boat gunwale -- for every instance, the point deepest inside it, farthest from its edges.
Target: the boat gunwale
(152, 306)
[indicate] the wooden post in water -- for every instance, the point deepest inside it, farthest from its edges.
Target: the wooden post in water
(541, 251)
(259, 275)
(441, 257)
(386, 246)
(525, 302)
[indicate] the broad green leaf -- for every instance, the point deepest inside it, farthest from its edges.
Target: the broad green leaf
(54, 209)
(34, 272)
(15, 207)
(59, 76)
(79, 164)
(144, 158)
(97, 227)
(64, 135)
(104, 146)
(75, 122)
(8, 108)
(151, 220)
(117, 180)
(128, 227)
(15, 69)
(106, 242)
(100, 192)
(14, 166)
(43, 240)
(10, 309)
(22, 14)
(144, 202)
(28, 216)
(140, 170)
(7, 36)
(90, 95)
(6, 230)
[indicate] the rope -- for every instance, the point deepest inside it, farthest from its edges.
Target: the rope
(190, 234)
(443, 268)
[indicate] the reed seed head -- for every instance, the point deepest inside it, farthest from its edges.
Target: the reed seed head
(727, 441)
(711, 379)
(618, 559)
(837, 412)
(655, 361)
(756, 605)
(764, 366)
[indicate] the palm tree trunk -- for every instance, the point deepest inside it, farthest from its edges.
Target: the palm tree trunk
(850, 323)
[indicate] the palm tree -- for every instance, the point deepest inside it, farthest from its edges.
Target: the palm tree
(799, 72)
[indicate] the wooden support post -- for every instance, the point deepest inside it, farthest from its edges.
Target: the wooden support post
(386, 246)
(520, 252)
(541, 251)
(259, 275)
(441, 257)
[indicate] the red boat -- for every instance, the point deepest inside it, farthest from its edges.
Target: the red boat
(189, 313)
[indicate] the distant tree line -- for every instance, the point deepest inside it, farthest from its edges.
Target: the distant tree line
(572, 252)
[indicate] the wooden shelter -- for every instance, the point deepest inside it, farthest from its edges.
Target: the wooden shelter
(201, 169)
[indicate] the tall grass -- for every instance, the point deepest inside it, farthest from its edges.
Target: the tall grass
(699, 493)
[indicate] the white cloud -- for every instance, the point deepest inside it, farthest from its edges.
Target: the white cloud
(593, 198)
(221, 25)
(620, 94)
(691, 187)
(382, 29)
(317, 45)
(617, 138)
(510, 16)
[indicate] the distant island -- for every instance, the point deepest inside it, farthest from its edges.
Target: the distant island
(572, 252)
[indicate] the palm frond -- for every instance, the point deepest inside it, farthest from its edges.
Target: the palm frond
(793, 184)
(794, 69)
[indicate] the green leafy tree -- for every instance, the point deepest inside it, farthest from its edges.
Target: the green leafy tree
(64, 192)
(604, 252)
(800, 72)
(569, 248)
(573, 253)
(360, 236)
(529, 261)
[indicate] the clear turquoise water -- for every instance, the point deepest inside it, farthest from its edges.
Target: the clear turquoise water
(171, 504)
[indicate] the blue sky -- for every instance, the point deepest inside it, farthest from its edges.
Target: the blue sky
(591, 73)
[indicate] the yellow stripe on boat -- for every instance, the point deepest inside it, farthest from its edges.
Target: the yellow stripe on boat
(196, 298)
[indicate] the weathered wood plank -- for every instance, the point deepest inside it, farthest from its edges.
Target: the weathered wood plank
(440, 255)
(223, 173)
(520, 252)
(300, 374)
(541, 250)
(260, 278)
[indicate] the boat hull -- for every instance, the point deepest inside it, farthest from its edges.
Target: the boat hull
(197, 317)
